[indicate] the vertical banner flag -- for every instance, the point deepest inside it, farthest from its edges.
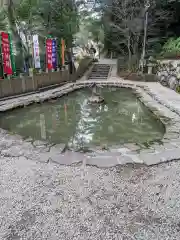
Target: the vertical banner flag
(62, 51)
(12, 56)
(49, 53)
(37, 63)
(6, 56)
(54, 53)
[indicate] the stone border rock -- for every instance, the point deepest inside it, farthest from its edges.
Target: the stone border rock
(166, 150)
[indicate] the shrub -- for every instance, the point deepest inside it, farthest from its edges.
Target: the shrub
(171, 48)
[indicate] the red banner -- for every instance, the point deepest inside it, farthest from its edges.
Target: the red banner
(49, 64)
(6, 57)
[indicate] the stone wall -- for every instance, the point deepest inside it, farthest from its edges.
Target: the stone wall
(169, 73)
(82, 68)
(138, 77)
(122, 63)
(133, 74)
(16, 86)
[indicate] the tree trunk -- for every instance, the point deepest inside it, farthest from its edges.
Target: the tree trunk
(129, 53)
(14, 31)
(135, 49)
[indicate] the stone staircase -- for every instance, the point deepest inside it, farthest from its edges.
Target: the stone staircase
(100, 71)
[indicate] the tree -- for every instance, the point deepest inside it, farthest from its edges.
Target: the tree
(95, 27)
(60, 18)
(28, 23)
(3, 20)
(42, 17)
(125, 27)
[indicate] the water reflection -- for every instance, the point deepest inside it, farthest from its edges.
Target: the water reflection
(133, 117)
(82, 135)
(43, 126)
(73, 121)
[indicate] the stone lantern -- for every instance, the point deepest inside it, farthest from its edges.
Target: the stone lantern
(151, 64)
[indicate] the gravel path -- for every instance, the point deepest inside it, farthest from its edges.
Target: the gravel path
(49, 201)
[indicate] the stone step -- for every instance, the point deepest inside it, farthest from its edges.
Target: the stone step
(105, 70)
(99, 74)
(95, 75)
(98, 78)
(99, 71)
(101, 67)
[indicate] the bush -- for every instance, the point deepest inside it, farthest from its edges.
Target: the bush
(171, 49)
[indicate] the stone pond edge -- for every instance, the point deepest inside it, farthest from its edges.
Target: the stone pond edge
(167, 149)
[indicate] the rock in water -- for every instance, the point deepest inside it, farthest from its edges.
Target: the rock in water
(96, 99)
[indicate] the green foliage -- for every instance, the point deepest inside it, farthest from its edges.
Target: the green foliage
(28, 17)
(95, 28)
(124, 25)
(3, 20)
(172, 45)
(178, 89)
(59, 18)
(171, 49)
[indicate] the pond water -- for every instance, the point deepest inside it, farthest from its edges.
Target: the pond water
(71, 120)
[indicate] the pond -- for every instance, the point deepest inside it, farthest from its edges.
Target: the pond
(71, 120)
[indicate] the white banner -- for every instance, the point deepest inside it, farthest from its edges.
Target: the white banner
(37, 63)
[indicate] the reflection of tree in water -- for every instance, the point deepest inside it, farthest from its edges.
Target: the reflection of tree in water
(43, 126)
(82, 136)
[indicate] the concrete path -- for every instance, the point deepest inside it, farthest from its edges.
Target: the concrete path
(45, 200)
(107, 61)
(167, 95)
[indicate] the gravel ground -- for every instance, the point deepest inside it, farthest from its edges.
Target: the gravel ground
(48, 201)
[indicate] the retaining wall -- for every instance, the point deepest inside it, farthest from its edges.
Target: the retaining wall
(169, 73)
(82, 68)
(15, 86)
(139, 77)
(122, 66)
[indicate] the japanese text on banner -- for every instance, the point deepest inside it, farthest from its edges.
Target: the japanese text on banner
(49, 64)
(37, 63)
(54, 54)
(6, 57)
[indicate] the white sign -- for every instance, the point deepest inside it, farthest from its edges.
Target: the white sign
(37, 63)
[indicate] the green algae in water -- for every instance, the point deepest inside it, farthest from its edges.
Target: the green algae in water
(71, 120)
